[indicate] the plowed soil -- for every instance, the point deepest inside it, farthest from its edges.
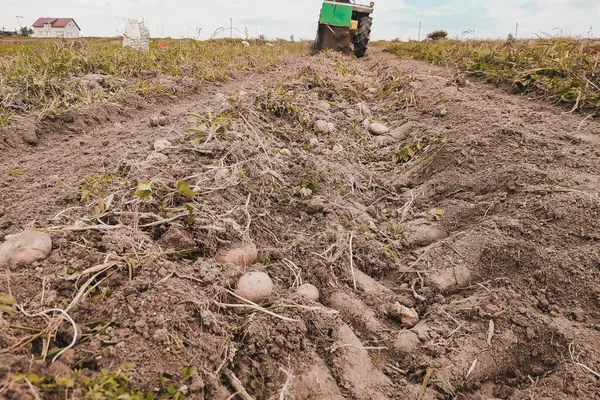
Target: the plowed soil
(478, 210)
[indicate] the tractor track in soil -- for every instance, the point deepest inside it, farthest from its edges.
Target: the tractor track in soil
(487, 227)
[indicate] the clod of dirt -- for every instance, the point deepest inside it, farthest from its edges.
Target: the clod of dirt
(449, 278)
(368, 284)
(159, 121)
(407, 316)
(25, 248)
(315, 383)
(29, 136)
(366, 123)
(254, 286)
(356, 310)
(177, 239)
(309, 291)
(161, 144)
(354, 367)
(324, 126)
(93, 81)
(157, 158)
(421, 233)
(377, 128)
(243, 255)
(407, 342)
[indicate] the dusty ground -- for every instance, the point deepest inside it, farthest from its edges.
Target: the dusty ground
(479, 210)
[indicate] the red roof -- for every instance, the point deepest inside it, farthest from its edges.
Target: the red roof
(54, 22)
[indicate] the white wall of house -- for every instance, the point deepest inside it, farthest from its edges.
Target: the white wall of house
(69, 31)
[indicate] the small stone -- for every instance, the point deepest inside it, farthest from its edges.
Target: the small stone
(530, 333)
(407, 342)
(161, 144)
(325, 106)
(254, 286)
(285, 152)
(407, 316)
(309, 291)
(25, 248)
(443, 112)
(378, 129)
(220, 98)
(184, 389)
(157, 158)
(314, 142)
(140, 326)
(337, 149)
(243, 255)
(364, 109)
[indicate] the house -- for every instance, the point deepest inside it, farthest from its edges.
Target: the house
(56, 28)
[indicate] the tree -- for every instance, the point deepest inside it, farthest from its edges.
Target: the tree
(26, 31)
(437, 35)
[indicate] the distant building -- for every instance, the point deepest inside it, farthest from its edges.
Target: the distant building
(56, 28)
(4, 33)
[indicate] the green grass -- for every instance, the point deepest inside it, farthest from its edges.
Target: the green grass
(566, 71)
(45, 77)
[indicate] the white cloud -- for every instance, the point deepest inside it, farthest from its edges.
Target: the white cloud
(393, 18)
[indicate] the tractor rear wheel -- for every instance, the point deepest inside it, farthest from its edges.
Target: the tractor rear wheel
(361, 41)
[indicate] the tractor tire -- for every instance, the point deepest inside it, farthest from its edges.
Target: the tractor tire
(361, 41)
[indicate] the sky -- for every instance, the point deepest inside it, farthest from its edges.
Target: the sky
(283, 18)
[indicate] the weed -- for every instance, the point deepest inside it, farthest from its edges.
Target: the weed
(95, 186)
(16, 172)
(7, 304)
(5, 116)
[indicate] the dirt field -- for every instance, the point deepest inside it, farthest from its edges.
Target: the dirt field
(478, 211)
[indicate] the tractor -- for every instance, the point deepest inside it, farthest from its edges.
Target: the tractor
(344, 27)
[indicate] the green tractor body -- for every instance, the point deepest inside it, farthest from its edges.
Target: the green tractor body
(345, 27)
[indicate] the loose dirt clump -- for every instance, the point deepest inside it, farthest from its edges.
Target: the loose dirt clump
(455, 256)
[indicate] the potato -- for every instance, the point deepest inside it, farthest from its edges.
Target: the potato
(25, 248)
(254, 286)
(309, 291)
(324, 126)
(243, 255)
(378, 129)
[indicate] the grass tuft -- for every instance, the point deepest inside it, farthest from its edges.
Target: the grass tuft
(565, 71)
(47, 77)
